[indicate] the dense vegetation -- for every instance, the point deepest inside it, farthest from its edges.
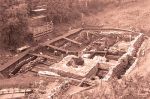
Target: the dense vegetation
(63, 11)
(14, 24)
(15, 14)
(69, 10)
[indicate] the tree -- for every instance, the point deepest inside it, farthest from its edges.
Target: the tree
(14, 24)
(62, 11)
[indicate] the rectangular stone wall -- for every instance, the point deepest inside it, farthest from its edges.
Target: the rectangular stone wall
(119, 68)
(66, 74)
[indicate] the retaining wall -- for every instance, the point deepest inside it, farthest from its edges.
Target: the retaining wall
(123, 63)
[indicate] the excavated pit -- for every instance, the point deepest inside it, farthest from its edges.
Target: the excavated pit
(105, 47)
(79, 58)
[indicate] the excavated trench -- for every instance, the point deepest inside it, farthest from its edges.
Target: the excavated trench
(114, 51)
(76, 60)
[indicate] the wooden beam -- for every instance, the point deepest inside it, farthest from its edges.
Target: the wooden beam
(111, 29)
(114, 57)
(96, 52)
(102, 52)
(75, 31)
(57, 48)
(84, 79)
(73, 41)
(62, 50)
(44, 56)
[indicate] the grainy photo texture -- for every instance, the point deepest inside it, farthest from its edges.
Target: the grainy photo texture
(74, 49)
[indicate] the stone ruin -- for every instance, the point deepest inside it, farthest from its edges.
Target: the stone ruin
(104, 56)
(75, 67)
(107, 57)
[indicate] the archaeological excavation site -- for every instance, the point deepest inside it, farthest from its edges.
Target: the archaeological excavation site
(76, 60)
(74, 49)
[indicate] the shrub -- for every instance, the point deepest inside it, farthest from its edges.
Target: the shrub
(14, 24)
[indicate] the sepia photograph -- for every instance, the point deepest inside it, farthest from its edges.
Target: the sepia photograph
(74, 49)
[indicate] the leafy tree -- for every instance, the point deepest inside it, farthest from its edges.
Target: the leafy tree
(62, 11)
(14, 20)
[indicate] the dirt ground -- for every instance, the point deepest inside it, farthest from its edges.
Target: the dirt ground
(131, 16)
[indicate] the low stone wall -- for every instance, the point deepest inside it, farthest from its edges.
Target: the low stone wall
(59, 89)
(135, 45)
(119, 69)
(91, 73)
(121, 66)
(132, 67)
(66, 74)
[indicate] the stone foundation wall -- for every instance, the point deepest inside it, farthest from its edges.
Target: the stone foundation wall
(91, 73)
(59, 90)
(120, 67)
(66, 74)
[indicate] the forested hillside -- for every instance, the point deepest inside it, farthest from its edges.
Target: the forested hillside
(14, 24)
(15, 14)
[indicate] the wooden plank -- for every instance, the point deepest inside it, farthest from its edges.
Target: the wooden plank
(84, 79)
(96, 52)
(112, 29)
(44, 56)
(102, 52)
(61, 37)
(62, 50)
(114, 57)
(73, 41)
(57, 48)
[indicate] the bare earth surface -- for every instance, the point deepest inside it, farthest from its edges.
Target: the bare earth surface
(131, 16)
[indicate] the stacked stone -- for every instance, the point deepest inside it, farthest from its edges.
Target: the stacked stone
(120, 67)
